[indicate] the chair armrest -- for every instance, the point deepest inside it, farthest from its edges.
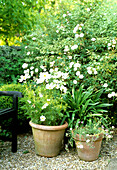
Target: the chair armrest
(11, 93)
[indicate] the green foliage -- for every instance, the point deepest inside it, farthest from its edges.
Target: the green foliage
(84, 104)
(80, 41)
(16, 17)
(91, 131)
(11, 61)
(6, 102)
(44, 107)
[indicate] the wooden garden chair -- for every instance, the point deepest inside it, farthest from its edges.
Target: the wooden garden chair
(12, 112)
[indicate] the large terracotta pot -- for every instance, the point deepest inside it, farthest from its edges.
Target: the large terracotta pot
(88, 151)
(48, 139)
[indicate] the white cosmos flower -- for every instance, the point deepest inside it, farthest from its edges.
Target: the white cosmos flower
(109, 136)
(75, 29)
(74, 81)
(25, 65)
(66, 48)
(110, 95)
(77, 35)
(51, 70)
(82, 25)
(89, 71)
(114, 42)
(45, 105)
(39, 81)
(26, 71)
(28, 53)
(40, 95)
(42, 118)
(87, 134)
(63, 88)
(32, 72)
(80, 28)
(71, 64)
(88, 68)
(57, 86)
(109, 44)
(93, 39)
(64, 15)
(36, 70)
(56, 69)
(75, 68)
(78, 73)
(34, 38)
(80, 146)
(77, 65)
(29, 101)
(105, 85)
(32, 68)
(70, 57)
(94, 69)
(74, 47)
(22, 78)
(50, 86)
(87, 140)
(52, 63)
(88, 9)
(42, 67)
(45, 75)
(26, 47)
(81, 35)
(27, 76)
(113, 93)
(81, 76)
(65, 75)
(95, 72)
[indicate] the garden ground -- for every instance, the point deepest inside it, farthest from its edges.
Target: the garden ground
(25, 158)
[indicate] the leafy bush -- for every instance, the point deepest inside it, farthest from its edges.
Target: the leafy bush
(80, 43)
(6, 102)
(44, 106)
(16, 17)
(11, 60)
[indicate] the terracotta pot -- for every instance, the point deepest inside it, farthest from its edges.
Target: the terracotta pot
(48, 139)
(88, 151)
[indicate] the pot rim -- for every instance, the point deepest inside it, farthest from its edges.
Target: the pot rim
(45, 127)
(81, 138)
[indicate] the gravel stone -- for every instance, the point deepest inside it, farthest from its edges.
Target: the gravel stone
(26, 159)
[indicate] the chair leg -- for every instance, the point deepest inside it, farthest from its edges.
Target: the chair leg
(14, 132)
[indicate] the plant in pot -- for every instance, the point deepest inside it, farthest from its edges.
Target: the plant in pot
(85, 107)
(88, 138)
(46, 108)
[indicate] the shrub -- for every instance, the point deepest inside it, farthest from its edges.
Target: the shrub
(11, 60)
(75, 44)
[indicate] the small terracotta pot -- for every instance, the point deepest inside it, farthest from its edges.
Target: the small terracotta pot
(88, 151)
(48, 139)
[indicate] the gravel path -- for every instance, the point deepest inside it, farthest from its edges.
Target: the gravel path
(26, 159)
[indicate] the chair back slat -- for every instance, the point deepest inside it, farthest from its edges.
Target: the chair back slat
(11, 93)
